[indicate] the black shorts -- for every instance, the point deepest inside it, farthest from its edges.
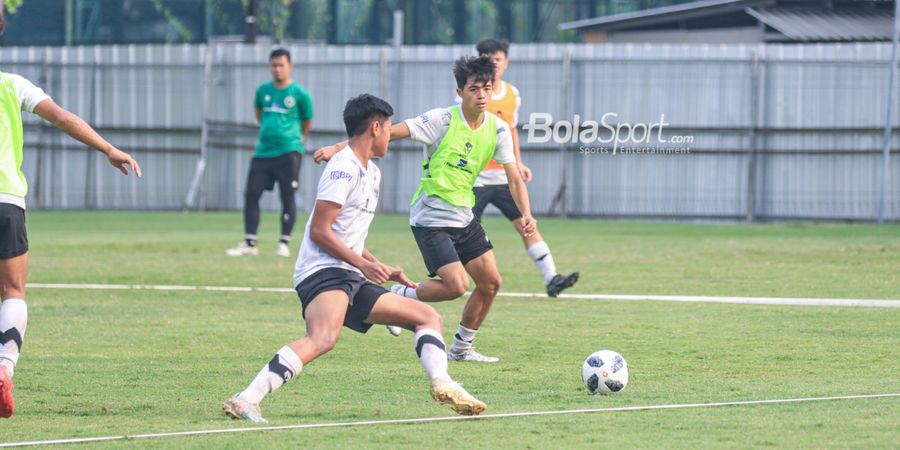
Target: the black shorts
(500, 196)
(361, 292)
(13, 238)
(443, 245)
(264, 172)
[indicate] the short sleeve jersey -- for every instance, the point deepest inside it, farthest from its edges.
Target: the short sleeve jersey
(281, 114)
(17, 95)
(345, 182)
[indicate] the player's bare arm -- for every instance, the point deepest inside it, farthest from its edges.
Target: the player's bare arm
(398, 131)
(305, 126)
(523, 169)
(321, 233)
(520, 195)
(76, 127)
(258, 115)
(396, 272)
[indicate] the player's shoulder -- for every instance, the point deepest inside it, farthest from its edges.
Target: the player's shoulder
(512, 88)
(496, 119)
(265, 87)
(436, 116)
(299, 88)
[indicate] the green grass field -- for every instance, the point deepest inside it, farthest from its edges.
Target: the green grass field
(114, 362)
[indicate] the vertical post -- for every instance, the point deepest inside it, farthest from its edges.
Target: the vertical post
(755, 95)
(200, 170)
(250, 21)
(91, 179)
(42, 132)
(70, 22)
(566, 108)
(397, 44)
(886, 149)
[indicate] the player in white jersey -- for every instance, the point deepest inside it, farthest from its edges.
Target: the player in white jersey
(333, 265)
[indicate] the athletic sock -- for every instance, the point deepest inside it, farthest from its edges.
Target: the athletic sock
(540, 254)
(284, 366)
(404, 291)
(433, 354)
(285, 239)
(250, 239)
(13, 318)
(463, 338)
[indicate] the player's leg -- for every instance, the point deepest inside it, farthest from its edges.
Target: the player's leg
(392, 309)
(439, 253)
(324, 319)
(14, 311)
(259, 178)
(537, 249)
(288, 181)
(475, 253)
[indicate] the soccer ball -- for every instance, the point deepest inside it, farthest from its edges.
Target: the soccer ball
(604, 372)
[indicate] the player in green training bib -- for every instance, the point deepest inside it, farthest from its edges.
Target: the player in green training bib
(284, 111)
(461, 140)
(17, 94)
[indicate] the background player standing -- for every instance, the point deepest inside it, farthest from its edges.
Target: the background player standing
(284, 111)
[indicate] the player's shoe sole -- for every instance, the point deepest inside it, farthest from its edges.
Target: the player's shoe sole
(7, 404)
(454, 396)
(560, 283)
(394, 330)
(240, 410)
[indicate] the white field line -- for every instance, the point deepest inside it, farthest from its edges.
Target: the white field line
(844, 302)
(440, 419)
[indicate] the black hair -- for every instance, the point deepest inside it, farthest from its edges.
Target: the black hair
(490, 46)
(279, 52)
(359, 112)
(480, 67)
(2, 19)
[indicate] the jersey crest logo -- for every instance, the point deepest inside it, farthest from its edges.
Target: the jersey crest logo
(289, 101)
(267, 98)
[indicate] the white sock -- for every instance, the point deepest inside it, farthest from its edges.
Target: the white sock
(463, 338)
(284, 366)
(540, 254)
(404, 291)
(432, 352)
(13, 318)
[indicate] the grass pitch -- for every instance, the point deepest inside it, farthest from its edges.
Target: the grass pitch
(107, 362)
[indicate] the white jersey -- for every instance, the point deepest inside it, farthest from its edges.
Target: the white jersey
(429, 129)
(355, 188)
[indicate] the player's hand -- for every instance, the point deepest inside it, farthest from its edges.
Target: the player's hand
(529, 225)
(324, 153)
(375, 271)
(120, 160)
(526, 173)
(400, 277)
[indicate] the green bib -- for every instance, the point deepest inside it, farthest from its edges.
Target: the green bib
(451, 171)
(12, 180)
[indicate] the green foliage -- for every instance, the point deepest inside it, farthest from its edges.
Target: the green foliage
(11, 5)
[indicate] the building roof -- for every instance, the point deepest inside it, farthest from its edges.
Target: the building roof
(804, 24)
(683, 11)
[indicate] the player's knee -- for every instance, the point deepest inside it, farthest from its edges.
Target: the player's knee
(430, 318)
(457, 286)
(325, 341)
(491, 285)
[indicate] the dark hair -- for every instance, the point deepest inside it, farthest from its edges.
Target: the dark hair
(279, 52)
(490, 46)
(359, 112)
(2, 19)
(480, 67)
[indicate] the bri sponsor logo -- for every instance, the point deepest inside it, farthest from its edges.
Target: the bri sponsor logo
(336, 175)
(424, 118)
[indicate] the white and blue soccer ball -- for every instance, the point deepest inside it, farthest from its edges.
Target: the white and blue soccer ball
(604, 372)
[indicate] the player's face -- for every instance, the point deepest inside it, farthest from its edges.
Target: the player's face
(501, 61)
(475, 95)
(382, 135)
(281, 68)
